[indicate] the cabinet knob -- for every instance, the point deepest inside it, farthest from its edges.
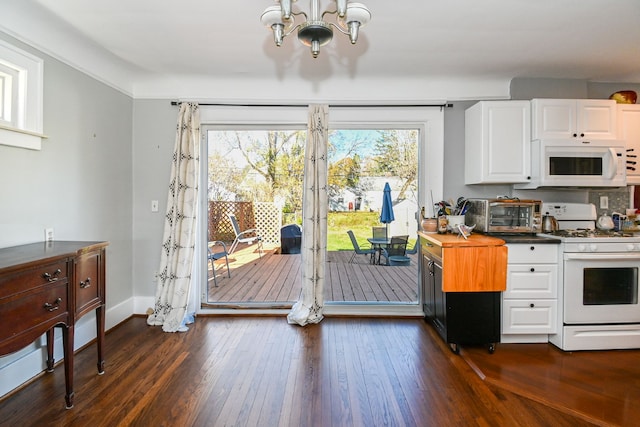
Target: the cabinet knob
(575, 135)
(582, 135)
(533, 269)
(86, 283)
(532, 305)
(533, 248)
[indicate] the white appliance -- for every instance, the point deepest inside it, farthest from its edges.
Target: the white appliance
(598, 294)
(562, 163)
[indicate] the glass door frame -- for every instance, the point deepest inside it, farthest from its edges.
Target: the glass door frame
(428, 120)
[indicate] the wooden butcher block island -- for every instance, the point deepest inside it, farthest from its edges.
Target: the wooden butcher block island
(461, 283)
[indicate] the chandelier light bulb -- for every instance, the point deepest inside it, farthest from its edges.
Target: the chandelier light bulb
(313, 30)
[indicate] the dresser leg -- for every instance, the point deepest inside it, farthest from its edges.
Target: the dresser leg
(100, 337)
(67, 340)
(50, 339)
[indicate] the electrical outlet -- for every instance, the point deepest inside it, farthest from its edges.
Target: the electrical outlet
(604, 202)
(48, 234)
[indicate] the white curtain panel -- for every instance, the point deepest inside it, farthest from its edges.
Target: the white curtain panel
(178, 243)
(314, 220)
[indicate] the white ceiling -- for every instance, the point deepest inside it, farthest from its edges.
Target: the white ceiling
(195, 48)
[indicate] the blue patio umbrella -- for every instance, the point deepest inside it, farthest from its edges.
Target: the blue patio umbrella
(386, 215)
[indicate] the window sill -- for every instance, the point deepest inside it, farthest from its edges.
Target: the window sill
(21, 138)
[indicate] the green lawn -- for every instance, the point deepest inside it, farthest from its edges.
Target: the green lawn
(359, 222)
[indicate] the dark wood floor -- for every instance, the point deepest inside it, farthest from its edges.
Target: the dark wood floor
(260, 371)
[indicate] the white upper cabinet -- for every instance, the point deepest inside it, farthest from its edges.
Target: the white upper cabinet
(497, 142)
(581, 120)
(629, 132)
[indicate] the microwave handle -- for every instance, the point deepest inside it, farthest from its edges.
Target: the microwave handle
(613, 163)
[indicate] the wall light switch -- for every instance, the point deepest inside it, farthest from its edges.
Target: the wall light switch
(48, 234)
(154, 206)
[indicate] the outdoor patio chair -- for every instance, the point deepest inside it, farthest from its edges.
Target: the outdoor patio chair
(379, 232)
(214, 256)
(249, 236)
(356, 248)
(396, 251)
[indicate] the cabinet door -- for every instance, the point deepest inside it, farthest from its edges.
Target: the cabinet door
(629, 132)
(428, 287)
(553, 118)
(88, 282)
(571, 119)
(497, 142)
(596, 119)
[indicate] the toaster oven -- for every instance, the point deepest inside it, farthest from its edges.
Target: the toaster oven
(504, 215)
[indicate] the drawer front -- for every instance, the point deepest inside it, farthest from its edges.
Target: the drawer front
(529, 316)
(533, 254)
(532, 281)
(33, 278)
(24, 312)
(88, 281)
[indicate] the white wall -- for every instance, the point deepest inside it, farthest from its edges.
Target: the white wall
(79, 184)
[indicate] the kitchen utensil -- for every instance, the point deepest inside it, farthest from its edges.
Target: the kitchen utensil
(549, 223)
(605, 222)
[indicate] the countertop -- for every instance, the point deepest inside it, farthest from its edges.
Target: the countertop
(530, 238)
(451, 240)
(479, 239)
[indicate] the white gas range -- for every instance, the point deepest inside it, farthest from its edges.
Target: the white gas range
(598, 297)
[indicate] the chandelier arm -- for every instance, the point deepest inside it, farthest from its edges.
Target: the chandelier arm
(339, 28)
(294, 28)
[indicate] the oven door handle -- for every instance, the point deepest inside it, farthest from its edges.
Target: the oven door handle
(609, 256)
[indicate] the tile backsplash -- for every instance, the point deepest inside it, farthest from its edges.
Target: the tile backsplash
(619, 199)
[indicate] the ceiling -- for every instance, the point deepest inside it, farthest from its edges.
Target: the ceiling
(191, 48)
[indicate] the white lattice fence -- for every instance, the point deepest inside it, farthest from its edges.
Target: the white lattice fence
(268, 221)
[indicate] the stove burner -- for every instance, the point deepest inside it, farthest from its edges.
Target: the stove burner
(589, 233)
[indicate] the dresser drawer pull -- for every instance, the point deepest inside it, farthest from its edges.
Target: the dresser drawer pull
(52, 277)
(86, 283)
(54, 306)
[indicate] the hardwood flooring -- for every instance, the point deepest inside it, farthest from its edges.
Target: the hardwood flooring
(260, 371)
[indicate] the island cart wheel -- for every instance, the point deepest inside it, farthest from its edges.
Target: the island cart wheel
(454, 347)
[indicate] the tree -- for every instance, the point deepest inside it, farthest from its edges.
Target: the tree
(276, 159)
(397, 155)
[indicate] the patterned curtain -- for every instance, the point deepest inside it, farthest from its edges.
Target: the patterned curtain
(314, 220)
(178, 243)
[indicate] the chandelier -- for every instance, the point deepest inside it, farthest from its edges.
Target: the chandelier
(314, 31)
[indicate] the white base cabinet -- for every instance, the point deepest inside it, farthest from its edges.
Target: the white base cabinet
(529, 304)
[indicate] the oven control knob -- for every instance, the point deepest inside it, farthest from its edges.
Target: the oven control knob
(631, 247)
(582, 247)
(593, 247)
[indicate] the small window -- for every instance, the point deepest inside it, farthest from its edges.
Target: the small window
(21, 87)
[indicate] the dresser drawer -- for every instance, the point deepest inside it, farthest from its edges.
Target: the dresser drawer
(26, 311)
(30, 279)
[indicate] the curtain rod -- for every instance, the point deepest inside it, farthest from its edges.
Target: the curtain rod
(222, 104)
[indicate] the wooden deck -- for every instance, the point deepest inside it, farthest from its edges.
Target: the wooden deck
(275, 278)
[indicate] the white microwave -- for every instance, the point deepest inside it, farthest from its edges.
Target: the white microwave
(562, 163)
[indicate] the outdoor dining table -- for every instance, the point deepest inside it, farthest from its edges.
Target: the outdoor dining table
(377, 244)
